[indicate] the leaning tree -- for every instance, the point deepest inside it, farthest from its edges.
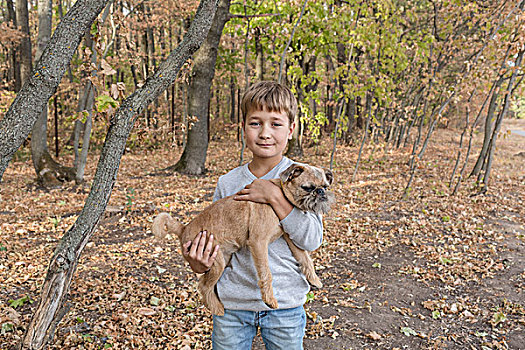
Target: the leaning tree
(17, 123)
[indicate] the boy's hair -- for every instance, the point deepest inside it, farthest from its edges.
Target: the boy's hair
(269, 96)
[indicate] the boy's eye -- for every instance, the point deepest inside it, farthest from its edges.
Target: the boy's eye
(308, 188)
(277, 124)
(254, 124)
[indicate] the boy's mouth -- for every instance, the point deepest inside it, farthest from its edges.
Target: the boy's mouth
(265, 145)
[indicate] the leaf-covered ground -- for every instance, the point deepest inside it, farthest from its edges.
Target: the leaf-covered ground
(430, 272)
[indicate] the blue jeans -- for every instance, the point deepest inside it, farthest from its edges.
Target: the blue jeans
(280, 329)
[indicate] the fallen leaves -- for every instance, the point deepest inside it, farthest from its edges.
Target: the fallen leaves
(134, 292)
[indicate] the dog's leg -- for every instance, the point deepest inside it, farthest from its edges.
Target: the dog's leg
(207, 286)
(304, 259)
(259, 250)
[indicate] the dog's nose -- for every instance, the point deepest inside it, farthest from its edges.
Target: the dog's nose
(319, 191)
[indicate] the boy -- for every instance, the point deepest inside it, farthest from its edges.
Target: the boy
(268, 110)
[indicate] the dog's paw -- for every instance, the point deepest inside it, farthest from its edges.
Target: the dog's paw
(316, 282)
(271, 303)
(217, 310)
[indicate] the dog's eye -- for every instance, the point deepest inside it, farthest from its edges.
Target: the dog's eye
(308, 188)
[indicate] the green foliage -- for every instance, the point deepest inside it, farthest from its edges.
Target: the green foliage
(408, 331)
(7, 327)
(104, 102)
(310, 296)
(20, 302)
(518, 107)
(130, 197)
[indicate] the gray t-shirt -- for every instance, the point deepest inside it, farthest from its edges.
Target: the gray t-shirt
(237, 287)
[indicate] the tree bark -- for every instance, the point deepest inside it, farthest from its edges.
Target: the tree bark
(259, 55)
(22, 20)
(45, 77)
(193, 158)
(14, 65)
(65, 258)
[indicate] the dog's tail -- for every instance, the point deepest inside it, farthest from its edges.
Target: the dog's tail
(164, 224)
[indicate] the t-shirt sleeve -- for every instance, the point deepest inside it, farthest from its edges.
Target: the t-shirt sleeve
(304, 228)
(218, 191)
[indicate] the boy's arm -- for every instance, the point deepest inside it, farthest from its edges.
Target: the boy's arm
(199, 254)
(304, 228)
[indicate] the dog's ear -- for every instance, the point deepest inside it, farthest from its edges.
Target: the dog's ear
(329, 176)
(291, 172)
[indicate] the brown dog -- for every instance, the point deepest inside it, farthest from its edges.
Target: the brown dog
(230, 221)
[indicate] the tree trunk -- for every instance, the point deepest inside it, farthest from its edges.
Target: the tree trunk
(232, 100)
(501, 116)
(14, 64)
(365, 133)
(49, 172)
(488, 127)
(65, 258)
(22, 20)
(295, 148)
(469, 147)
(86, 105)
(336, 130)
(259, 55)
(193, 158)
(45, 77)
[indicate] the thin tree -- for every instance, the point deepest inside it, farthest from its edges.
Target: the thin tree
(22, 20)
(14, 69)
(48, 171)
(85, 106)
(460, 147)
(471, 136)
(499, 120)
(336, 130)
(365, 133)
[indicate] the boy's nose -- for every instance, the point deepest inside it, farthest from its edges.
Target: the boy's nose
(264, 134)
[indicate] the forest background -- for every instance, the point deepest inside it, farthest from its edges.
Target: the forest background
(380, 84)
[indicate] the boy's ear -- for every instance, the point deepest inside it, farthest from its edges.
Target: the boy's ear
(292, 127)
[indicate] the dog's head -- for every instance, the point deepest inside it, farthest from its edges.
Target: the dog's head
(306, 187)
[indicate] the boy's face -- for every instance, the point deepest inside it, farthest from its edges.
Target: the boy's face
(267, 133)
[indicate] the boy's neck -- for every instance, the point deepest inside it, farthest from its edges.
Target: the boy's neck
(261, 166)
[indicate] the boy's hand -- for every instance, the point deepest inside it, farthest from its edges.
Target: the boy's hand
(266, 192)
(199, 254)
(259, 191)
